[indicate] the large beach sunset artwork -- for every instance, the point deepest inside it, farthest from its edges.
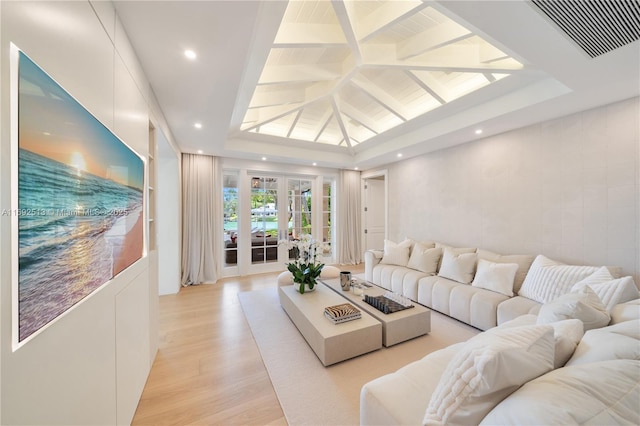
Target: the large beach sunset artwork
(80, 201)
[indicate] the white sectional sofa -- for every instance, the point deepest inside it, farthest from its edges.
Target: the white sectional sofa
(444, 278)
(521, 372)
(561, 343)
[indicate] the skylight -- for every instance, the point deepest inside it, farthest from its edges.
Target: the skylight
(342, 73)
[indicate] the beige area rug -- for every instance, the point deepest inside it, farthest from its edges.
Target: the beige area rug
(311, 394)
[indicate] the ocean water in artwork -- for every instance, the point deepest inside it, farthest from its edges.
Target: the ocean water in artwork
(74, 228)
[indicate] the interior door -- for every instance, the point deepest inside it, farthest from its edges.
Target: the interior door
(374, 213)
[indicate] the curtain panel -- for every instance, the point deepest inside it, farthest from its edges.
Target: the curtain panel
(348, 232)
(201, 195)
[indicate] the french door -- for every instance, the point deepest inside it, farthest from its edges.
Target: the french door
(262, 210)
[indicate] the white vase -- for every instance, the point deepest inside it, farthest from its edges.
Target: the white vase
(306, 287)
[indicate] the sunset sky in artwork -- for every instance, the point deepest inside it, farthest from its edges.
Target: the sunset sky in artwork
(56, 126)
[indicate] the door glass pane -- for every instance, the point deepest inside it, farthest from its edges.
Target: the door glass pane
(326, 214)
(230, 207)
(264, 219)
(299, 208)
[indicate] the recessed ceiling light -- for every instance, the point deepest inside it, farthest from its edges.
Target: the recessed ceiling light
(479, 131)
(190, 54)
(198, 125)
(199, 151)
(399, 154)
(315, 164)
(356, 168)
(264, 158)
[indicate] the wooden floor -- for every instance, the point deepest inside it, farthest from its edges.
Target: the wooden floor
(208, 369)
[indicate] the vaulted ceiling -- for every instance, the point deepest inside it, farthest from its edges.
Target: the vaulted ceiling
(356, 83)
(341, 73)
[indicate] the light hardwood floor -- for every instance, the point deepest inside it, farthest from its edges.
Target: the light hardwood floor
(208, 369)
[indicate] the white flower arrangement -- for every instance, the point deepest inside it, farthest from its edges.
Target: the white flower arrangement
(306, 267)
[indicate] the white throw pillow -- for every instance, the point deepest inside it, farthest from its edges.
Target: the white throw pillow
(611, 292)
(524, 262)
(456, 250)
(396, 253)
(426, 244)
(567, 335)
(488, 368)
(496, 277)
(620, 341)
(458, 267)
(424, 259)
(601, 275)
(583, 305)
(548, 279)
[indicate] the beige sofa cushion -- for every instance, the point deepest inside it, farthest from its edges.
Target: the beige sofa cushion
(487, 369)
(619, 341)
(400, 398)
(625, 311)
(516, 306)
(600, 393)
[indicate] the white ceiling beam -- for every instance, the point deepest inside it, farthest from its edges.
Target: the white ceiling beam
(295, 121)
(261, 116)
(277, 97)
(385, 16)
(460, 56)
(320, 89)
(356, 115)
(445, 33)
(274, 74)
(323, 123)
(269, 114)
(348, 30)
(427, 87)
(446, 68)
(490, 78)
(381, 96)
(489, 53)
(308, 34)
(343, 128)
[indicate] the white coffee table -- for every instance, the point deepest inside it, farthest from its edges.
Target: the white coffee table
(331, 342)
(396, 327)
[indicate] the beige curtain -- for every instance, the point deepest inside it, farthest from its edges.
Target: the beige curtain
(200, 219)
(348, 232)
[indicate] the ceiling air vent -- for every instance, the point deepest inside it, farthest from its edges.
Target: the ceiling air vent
(597, 27)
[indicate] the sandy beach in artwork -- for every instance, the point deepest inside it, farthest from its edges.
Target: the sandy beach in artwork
(131, 248)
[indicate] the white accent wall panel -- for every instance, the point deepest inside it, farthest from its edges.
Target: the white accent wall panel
(566, 188)
(88, 366)
(60, 37)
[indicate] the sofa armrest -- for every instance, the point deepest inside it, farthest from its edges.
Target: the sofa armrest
(371, 259)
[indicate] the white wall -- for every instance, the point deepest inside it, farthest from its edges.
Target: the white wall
(567, 188)
(89, 366)
(168, 218)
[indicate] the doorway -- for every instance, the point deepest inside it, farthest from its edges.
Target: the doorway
(262, 209)
(374, 201)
